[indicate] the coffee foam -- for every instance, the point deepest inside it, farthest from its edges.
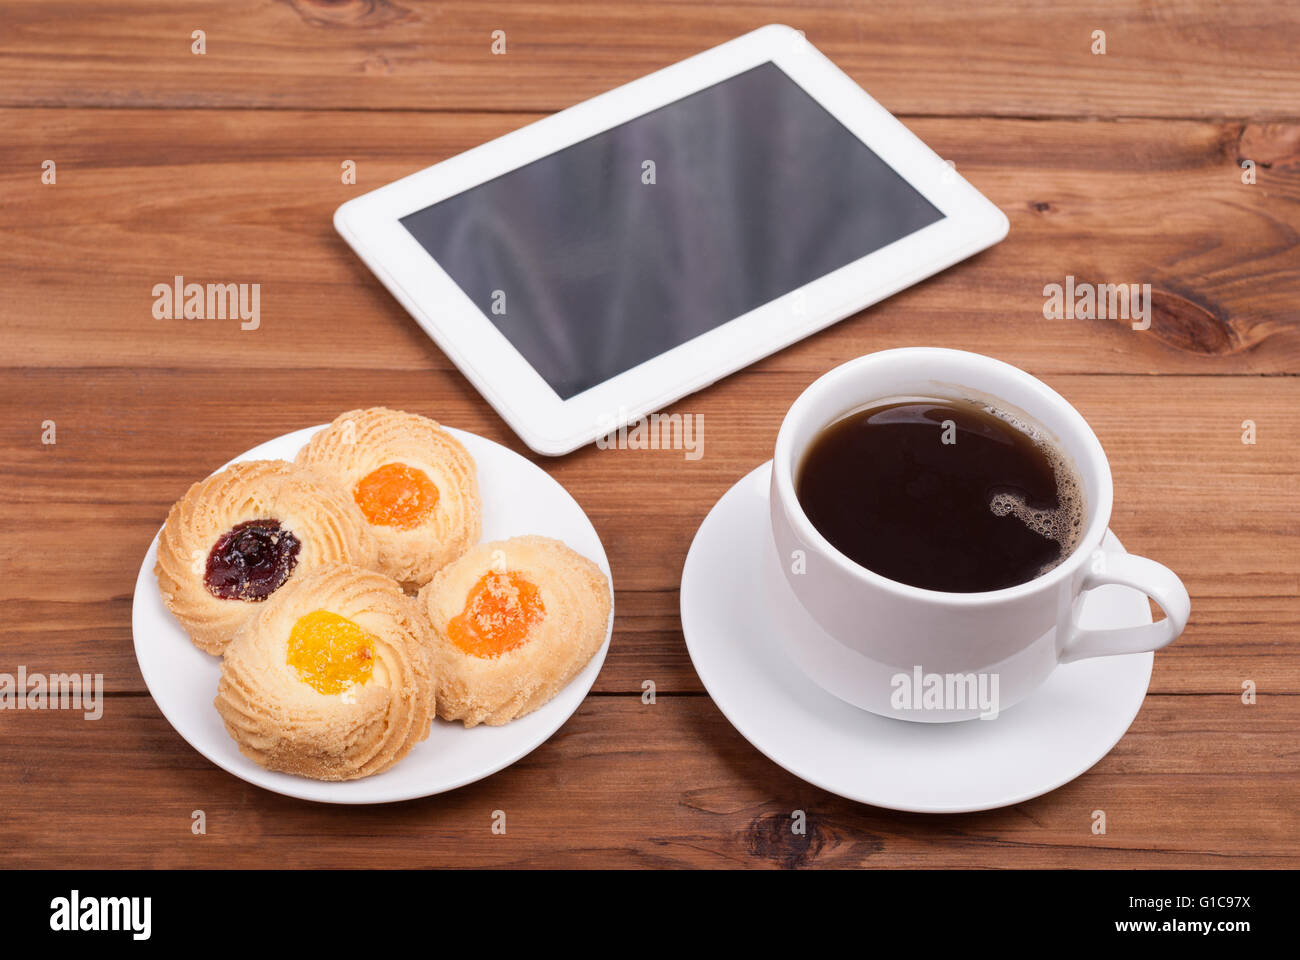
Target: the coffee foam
(1063, 523)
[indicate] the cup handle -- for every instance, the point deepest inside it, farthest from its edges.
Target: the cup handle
(1158, 582)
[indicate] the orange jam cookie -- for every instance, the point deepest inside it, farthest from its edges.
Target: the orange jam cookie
(501, 610)
(332, 678)
(512, 623)
(396, 495)
(412, 481)
(239, 536)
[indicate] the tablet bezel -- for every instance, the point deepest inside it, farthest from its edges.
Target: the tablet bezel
(549, 425)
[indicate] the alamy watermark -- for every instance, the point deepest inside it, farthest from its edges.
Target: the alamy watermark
(179, 300)
(75, 913)
(658, 431)
(1106, 301)
(56, 691)
(919, 690)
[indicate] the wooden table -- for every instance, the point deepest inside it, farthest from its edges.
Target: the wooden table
(225, 167)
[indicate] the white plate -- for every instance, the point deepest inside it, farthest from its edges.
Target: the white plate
(518, 498)
(1047, 740)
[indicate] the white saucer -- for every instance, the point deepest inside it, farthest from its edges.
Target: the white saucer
(1048, 739)
(518, 498)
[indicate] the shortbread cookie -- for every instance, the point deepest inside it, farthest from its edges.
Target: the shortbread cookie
(237, 537)
(412, 480)
(513, 622)
(331, 679)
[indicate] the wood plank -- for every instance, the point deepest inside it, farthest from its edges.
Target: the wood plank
(1229, 640)
(666, 785)
(1018, 57)
(130, 442)
(247, 197)
(225, 168)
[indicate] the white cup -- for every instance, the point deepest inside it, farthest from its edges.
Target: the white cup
(875, 630)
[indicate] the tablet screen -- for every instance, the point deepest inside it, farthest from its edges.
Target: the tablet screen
(609, 252)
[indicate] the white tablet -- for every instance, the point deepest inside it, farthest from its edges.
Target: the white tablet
(594, 266)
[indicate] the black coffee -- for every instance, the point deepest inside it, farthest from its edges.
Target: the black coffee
(943, 495)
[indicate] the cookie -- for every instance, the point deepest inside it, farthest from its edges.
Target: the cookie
(414, 483)
(331, 679)
(239, 536)
(512, 623)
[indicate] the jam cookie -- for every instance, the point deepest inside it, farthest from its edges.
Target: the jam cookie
(414, 483)
(513, 622)
(237, 537)
(331, 679)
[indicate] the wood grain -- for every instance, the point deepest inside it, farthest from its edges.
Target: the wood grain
(1015, 58)
(1227, 526)
(665, 785)
(247, 197)
(226, 168)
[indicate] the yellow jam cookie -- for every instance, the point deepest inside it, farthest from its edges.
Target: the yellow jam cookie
(331, 653)
(332, 679)
(512, 623)
(413, 482)
(237, 537)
